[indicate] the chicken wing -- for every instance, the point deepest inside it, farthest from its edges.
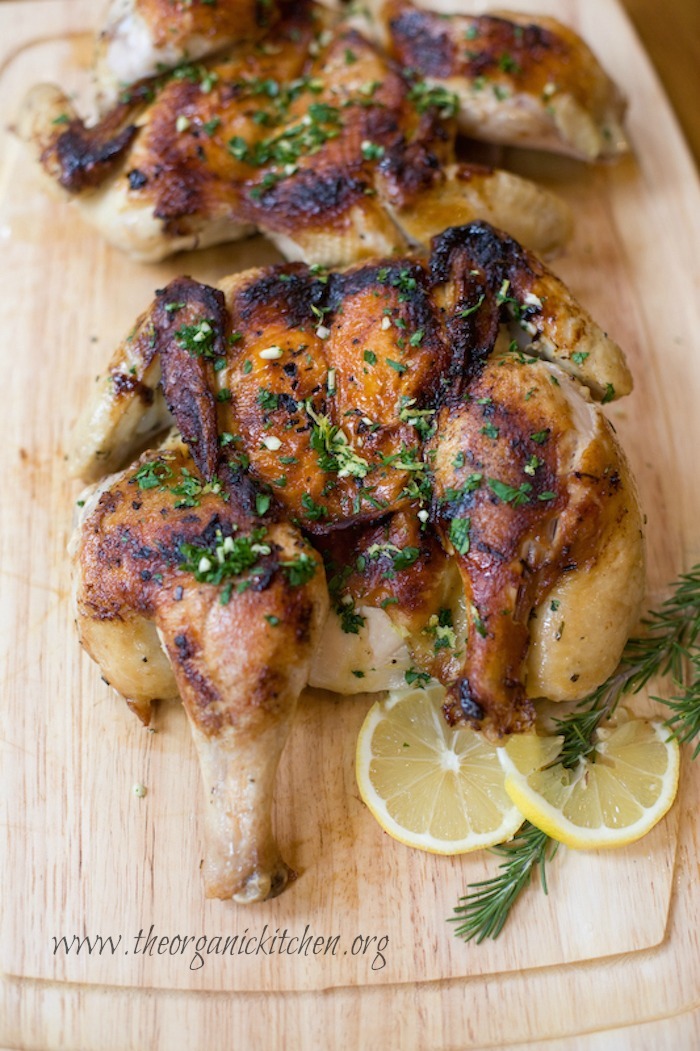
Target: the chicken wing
(520, 79)
(141, 38)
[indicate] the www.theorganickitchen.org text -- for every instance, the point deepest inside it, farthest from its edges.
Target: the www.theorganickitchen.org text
(194, 949)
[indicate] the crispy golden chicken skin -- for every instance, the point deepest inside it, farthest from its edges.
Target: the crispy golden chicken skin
(311, 136)
(433, 425)
(193, 588)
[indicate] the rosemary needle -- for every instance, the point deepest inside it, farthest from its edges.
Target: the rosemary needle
(670, 645)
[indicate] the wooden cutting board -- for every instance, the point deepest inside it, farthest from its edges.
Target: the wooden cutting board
(613, 946)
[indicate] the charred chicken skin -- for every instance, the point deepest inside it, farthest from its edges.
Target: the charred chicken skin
(312, 135)
(426, 428)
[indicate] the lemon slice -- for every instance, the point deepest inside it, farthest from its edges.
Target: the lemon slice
(430, 786)
(612, 797)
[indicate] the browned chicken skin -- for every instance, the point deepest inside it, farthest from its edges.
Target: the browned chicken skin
(519, 78)
(140, 38)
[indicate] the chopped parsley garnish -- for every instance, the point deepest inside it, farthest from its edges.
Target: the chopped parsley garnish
(471, 483)
(152, 474)
(503, 299)
(401, 557)
(532, 464)
(508, 494)
(459, 534)
(441, 627)
(267, 399)
(425, 97)
(350, 620)
(262, 503)
(478, 623)
(416, 677)
(421, 419)
(190, 489)
(333, 448)
(312, 510)
(292, 141)
(472, 309)
(155, 473)
(198, 340)
(508, 64)
(196, 74)
(299, 571)
(372, 151)
(225, 557)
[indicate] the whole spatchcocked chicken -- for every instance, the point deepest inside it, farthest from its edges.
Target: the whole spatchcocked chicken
(406, 459)
(334, 134)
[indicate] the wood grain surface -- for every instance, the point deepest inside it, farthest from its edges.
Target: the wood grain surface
(614, 946)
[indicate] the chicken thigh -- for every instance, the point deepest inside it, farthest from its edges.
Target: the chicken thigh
(141, 38)
(197, 589)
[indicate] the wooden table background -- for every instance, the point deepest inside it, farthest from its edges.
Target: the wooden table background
(670, 32)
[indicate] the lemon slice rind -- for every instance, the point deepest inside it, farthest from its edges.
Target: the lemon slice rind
(593, 805)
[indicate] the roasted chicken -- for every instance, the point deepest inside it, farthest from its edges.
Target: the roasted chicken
(430, 426)
(311, 134)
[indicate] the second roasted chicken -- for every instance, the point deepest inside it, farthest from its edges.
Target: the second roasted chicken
(333, 145)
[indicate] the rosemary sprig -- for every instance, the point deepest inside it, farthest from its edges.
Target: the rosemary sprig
(483, 913)
(669, 646)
